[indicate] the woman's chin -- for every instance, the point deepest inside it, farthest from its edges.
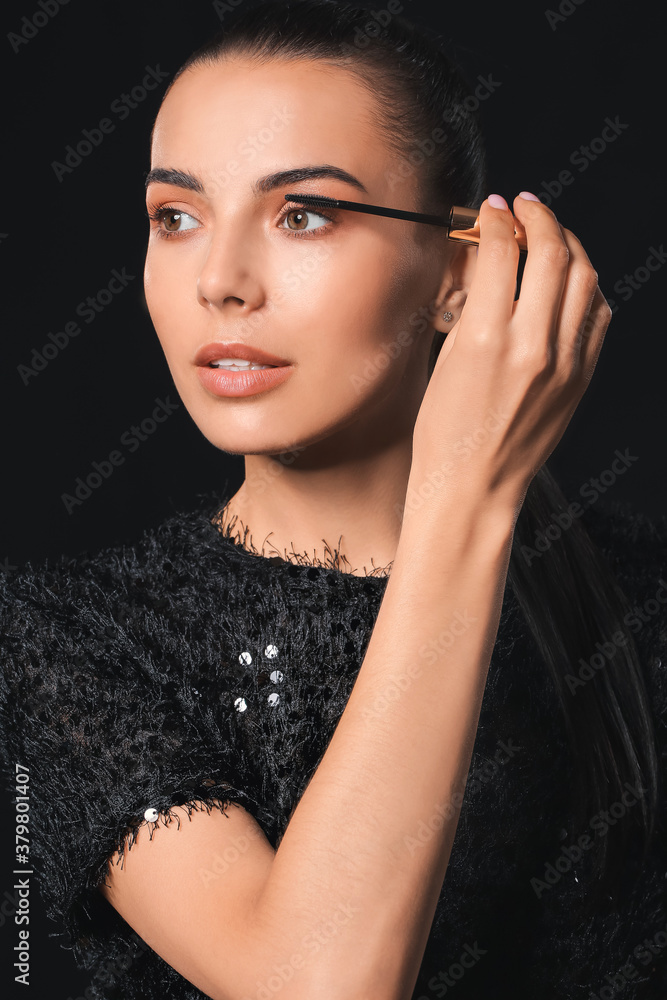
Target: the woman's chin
(248, 443)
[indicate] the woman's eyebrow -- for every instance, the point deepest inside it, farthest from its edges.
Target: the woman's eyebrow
(295, 174)
(179, 178)
(183, 179)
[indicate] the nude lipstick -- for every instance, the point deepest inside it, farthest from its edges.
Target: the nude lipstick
(234, 369)
(462, 225)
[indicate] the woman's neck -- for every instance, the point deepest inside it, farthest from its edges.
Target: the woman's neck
(355, 508)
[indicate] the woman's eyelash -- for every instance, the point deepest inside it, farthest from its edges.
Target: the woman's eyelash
(291, 206)
(157, 215)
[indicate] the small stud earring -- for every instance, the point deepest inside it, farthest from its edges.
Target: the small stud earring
(448, 317)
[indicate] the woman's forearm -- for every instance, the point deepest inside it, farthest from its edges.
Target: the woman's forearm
(347, 873)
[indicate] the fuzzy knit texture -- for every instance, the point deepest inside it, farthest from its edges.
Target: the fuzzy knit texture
(184, 668)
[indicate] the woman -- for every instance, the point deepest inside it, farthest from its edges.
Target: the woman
(246, 771)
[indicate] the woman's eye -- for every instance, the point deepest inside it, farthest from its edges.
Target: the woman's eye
(173, 221)
(301, 217)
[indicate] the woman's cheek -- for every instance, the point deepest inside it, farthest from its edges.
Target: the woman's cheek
(163, 293)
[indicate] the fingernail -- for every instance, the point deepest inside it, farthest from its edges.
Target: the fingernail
(528, 196)
(497, 201)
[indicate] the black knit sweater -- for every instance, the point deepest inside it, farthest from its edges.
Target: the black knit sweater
(184, 669)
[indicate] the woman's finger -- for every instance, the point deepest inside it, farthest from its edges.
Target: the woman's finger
(490, 299)
(545, 273)
(584, 313)
(593, 333)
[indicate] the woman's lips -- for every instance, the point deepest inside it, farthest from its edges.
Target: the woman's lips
(222, 382)
(219, 350)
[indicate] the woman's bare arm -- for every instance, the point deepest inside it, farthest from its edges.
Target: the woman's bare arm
(343, 908)
(399, 757)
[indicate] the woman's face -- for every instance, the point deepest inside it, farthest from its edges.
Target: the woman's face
(340, 303)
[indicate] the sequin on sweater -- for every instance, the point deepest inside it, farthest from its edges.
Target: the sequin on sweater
(186, 669)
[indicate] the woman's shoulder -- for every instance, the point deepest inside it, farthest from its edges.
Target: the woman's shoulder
(104, 705)
(100, 614)
(105, 574)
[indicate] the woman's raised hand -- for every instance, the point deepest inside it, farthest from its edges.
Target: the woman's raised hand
(511, 373)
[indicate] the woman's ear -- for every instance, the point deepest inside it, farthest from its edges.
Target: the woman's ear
(454, 289)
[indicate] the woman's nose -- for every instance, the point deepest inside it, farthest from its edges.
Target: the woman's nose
(229, 272)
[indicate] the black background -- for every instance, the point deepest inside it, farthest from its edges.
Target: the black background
(61, 240)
